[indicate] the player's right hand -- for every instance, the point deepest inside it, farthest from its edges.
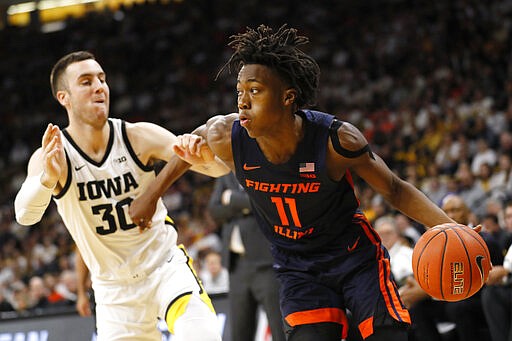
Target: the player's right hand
(53, 156)
(83, 305)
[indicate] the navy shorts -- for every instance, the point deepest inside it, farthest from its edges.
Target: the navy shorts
(320, 287)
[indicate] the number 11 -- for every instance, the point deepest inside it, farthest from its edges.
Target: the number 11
(292, 208)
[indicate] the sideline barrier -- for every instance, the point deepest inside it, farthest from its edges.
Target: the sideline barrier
(68, 325)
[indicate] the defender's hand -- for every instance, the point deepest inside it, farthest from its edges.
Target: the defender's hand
(53, 155)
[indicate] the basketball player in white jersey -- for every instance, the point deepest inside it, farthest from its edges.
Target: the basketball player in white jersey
(93, 169)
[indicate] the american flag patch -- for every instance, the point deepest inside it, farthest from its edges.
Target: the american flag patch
(306, 167)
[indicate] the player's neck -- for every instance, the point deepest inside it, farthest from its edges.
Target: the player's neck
(91, 140)
(279, 148)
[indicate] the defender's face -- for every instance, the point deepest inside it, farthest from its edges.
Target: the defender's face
(87, 95)
(260, 97)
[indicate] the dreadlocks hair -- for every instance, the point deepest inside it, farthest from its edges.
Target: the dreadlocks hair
(279, 51)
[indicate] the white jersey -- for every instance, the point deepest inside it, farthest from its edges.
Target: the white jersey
(94, 207)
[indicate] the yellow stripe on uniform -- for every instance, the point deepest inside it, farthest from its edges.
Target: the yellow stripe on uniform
(178, 306)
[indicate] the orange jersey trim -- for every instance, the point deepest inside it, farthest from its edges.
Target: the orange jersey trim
(334, 315)
(387, 286)
(366, 327)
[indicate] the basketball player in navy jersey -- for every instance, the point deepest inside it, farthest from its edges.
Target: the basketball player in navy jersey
(296, 166)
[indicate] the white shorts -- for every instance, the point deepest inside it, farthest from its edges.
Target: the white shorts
(130, 310)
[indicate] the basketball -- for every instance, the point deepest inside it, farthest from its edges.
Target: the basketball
(451, 262)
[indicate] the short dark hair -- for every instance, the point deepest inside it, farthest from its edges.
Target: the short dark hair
(507, 203)
(59, 68)
(279, 51)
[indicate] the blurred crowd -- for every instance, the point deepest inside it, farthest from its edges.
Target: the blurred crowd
(428, 82)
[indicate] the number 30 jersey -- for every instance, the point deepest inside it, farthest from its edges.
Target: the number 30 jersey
(297, 205)
(94, 208)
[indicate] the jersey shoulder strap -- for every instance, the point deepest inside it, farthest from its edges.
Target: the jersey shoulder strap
(333, 132)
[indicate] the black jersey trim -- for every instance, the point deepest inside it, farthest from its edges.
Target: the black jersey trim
(139, 163)
(174, 300)
(170, 221)
(68, 178)
(84, 155)
(333, 132)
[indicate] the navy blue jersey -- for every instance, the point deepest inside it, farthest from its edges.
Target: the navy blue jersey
(298, 206)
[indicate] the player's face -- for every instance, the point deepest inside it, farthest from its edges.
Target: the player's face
(260, 98)
(87, 90)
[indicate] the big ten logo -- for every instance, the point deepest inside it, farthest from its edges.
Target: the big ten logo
(458, 278)
(120, 159)
(166, 336)
(35, 335)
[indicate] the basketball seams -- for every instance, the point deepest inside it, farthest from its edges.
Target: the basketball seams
(426, 243)
(481, 242)
(456, 250)
(461, 240)
(442, 263)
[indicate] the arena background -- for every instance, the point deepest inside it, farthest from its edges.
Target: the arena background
(413, 75)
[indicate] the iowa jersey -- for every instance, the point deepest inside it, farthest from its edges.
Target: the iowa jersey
(94, 207)
(298, 206)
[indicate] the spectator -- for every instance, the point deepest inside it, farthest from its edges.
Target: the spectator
(214, 276)
(497, 294)
(67, 286)
(38, 294)
(399, 250)
(484, 155)
(492, 230)
(411, 232)
(473, 195)
(20, 299)
(500, 182)
(5, 305)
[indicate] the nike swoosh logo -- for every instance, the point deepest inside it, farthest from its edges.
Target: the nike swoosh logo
(78, 168)
(249, 168)
(480, 266)
(351, 248)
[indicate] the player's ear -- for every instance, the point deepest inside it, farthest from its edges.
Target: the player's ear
(62, 97)
(290, 96)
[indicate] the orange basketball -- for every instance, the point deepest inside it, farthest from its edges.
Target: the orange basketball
(451, 262)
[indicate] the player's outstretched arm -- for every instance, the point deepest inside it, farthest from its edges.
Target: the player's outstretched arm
(46, 167)
(143, 207)
(189, 147)
(152, 142)
(372, 169)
